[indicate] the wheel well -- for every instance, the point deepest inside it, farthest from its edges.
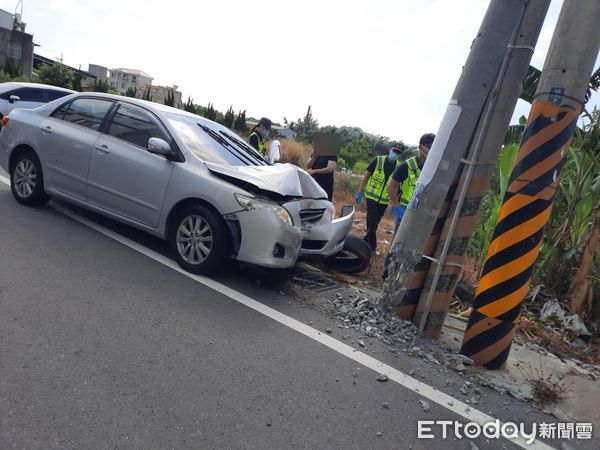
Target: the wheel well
(187, 202)
(16, 151)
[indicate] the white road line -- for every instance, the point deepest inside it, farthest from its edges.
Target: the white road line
(456, 406)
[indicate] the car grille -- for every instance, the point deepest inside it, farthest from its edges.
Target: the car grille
(311, 215)
(310, 244)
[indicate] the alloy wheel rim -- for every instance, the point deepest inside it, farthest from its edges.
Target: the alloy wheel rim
(194, 239)
(25, 178)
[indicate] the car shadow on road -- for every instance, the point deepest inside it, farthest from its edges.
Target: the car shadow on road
(232, 270)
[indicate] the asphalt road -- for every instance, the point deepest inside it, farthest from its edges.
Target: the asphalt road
(104, 347)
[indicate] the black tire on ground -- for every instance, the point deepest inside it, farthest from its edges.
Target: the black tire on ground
(354, 258)
(27, 180)
(200, 227)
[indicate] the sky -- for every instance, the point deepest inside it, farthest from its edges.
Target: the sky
(386, 66)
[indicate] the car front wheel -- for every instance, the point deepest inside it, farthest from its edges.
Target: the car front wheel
(199, 239)
(27, 181)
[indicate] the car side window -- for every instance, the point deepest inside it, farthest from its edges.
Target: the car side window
(136, 126)
(54, 95)
(30, 95)
(86, 112)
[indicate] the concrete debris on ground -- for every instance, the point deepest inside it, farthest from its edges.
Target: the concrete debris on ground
(360, 310)
(425, 405)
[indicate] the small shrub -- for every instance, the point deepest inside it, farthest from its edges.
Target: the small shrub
(345, 183)
(360, 167)
(546, 389)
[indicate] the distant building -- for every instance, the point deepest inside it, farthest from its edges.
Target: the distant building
(16, 46)
(100, 72)
(285, 132)
(159, 93)
(122, 79)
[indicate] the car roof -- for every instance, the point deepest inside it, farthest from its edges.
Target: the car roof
(156, 107)
(18, 84)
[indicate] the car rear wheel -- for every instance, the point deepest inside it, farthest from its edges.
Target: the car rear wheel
(355, 257)
(199, 239)
(27, 180)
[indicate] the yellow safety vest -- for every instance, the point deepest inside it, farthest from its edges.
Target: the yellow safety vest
(408, 185)
(261, 146)
(377, 186)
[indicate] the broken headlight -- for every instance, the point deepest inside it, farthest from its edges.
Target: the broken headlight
(252, 203)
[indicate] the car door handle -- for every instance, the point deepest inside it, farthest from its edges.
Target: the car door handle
(47, 129)
(103, 148)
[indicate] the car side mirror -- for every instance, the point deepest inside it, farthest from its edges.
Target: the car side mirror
(13, 98)
(159, 147)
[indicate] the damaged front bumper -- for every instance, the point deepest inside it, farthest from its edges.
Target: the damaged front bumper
(321, 234)
(264, 239)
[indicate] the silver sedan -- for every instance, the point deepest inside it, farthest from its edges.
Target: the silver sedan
(170, 173)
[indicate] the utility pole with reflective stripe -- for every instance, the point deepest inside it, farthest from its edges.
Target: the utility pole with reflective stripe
(450, 254)
(528, 201)
(453, 139)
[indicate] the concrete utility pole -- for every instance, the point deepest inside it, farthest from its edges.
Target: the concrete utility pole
(451, 145)
(528, 201)
(477, 171)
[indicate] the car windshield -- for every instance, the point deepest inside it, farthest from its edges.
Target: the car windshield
(212, 144)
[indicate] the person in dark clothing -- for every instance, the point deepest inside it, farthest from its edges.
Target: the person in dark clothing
(321, 168)
(259, 134)
(374, 186)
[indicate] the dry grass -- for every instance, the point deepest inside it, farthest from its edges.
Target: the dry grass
(547, 389)
(294, 152)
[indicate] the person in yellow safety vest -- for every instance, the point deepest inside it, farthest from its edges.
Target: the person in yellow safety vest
(402, 184)
(259, 133)
(374, 187)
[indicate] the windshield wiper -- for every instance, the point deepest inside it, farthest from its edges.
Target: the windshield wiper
(247, 148)
(226, 144)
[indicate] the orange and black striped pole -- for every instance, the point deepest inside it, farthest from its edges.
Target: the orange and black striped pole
(528, 201)
(446, 264)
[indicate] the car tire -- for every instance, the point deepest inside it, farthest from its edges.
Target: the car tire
(355, 257)
(199, 239)
(27, 180)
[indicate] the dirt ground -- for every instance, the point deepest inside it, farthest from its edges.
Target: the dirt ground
(385, 233)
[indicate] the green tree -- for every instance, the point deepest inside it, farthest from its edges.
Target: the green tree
(357, 150)
(12, 69)
(306, 127)
(131, 92)
(100, 86)
(189, 105)
(240, 122)
(146, 95)
(56, 74)
(229, 117)
(532, 79)
(9, 73)
(210, 113)
(76, 82)
(170, 99)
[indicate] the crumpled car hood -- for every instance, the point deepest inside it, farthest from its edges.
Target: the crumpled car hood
(281, 179)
